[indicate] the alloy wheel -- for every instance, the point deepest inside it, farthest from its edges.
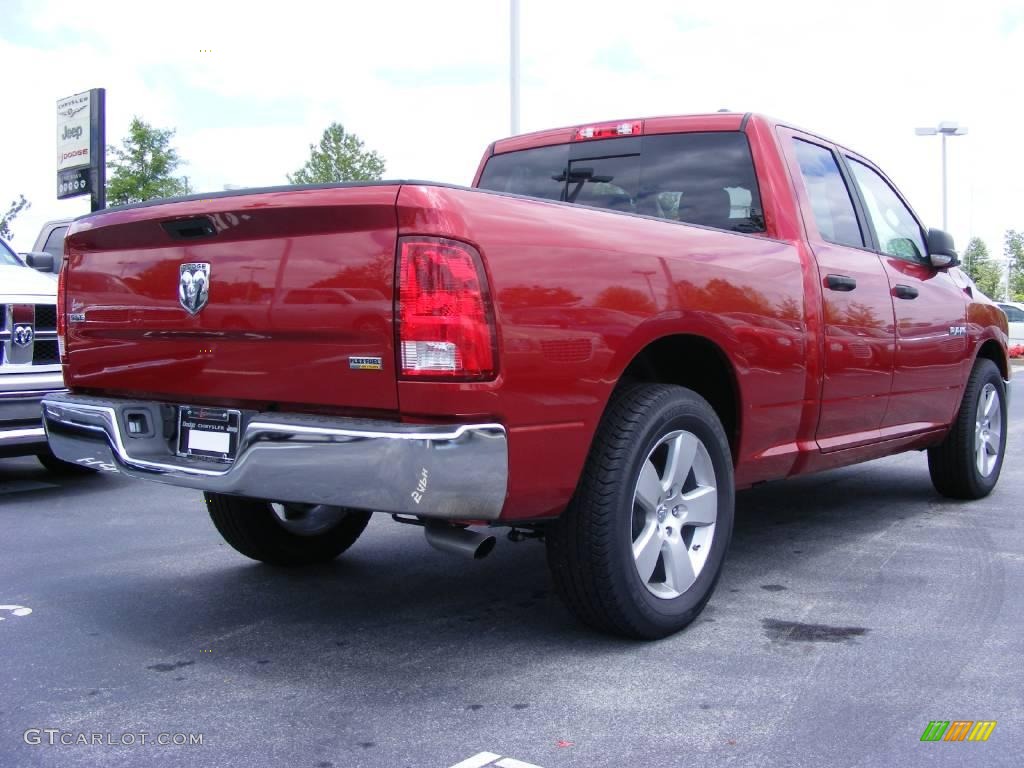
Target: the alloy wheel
(675, 509)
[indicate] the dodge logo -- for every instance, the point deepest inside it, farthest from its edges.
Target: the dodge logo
(194, 286)
(23, 335)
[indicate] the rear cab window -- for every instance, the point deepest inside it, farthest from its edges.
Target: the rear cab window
(704, 178)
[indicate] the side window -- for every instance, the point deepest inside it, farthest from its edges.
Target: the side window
(898, 232)
(55, 243)
(1013, 314)
(830, 199)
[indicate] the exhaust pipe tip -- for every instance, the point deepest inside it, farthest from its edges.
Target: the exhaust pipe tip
(459, 541)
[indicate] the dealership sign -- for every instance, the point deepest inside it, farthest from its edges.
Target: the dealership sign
(73, 131)
(81, 151)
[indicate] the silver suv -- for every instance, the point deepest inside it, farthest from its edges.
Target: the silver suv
(29, 358)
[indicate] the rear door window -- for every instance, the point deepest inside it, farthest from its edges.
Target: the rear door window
(830, 199)
(696, 178)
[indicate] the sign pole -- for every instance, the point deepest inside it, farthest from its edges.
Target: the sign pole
(98, 148)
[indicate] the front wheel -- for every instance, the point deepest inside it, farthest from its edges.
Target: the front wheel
(966, 465)
(640, 547)
(285, 534)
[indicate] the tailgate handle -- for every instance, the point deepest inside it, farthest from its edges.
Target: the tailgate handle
(190, 229)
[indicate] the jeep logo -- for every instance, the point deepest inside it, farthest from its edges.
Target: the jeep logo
(71, 133)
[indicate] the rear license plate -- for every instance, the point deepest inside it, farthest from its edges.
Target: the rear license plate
(210, 433)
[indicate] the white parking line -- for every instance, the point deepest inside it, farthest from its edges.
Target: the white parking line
(17, 610)
(483, 759)
(478, 760)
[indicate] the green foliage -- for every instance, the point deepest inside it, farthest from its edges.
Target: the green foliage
(985, 273)
(340, 157)
(1013, 249)
(143, 168)
(625, 299)
(16, 207)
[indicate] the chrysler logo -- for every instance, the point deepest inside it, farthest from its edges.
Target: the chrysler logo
(71, 111)
(23, 335)
(194, 286)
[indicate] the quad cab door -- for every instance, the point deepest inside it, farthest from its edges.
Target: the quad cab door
(859, 328)
(930, 308)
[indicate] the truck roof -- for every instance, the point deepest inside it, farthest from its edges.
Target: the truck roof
(714, 121)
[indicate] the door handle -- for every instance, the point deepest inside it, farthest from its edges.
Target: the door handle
(904, 292)
(840, 283)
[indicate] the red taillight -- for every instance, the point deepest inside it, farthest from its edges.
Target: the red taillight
(62, 318)
(445, 319)
(609, 130)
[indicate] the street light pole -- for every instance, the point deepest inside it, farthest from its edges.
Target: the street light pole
(514, 66)
(944, 129)
(945, 200)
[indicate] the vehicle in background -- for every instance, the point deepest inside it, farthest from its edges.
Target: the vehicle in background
(1015, 318)
(50, 240)
(29, 357)
(613, 330)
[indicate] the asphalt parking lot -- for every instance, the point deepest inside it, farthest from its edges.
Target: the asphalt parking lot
(856, 606)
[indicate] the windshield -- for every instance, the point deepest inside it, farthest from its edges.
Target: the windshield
(695, 178)
(7, 256)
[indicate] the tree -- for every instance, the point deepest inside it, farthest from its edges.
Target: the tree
(340, 157)
(16, 207)
(981, 269)
(143, 168)
(1013, 249)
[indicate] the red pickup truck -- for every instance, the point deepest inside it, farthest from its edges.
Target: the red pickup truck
(615, 328)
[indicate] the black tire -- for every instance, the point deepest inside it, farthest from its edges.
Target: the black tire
(253, 528)
(953, 464)
(61, 467)
(590, 547)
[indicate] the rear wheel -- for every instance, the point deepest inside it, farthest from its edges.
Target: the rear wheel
(639, 549)
(966, 465)
(284, 533)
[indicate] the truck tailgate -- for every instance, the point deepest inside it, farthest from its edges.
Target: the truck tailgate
(283, 296)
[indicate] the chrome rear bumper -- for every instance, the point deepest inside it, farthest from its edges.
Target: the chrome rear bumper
(439, 471)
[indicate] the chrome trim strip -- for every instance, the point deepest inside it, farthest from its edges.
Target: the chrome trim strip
(438, 471)
(30, 434)
(27, 394)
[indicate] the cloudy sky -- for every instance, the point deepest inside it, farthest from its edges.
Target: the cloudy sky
(426, 83)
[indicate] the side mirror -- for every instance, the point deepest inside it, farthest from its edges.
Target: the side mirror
(941, 252)
(40, 260)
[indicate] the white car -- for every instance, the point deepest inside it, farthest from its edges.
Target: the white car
(29, 358)
(1015, 316)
